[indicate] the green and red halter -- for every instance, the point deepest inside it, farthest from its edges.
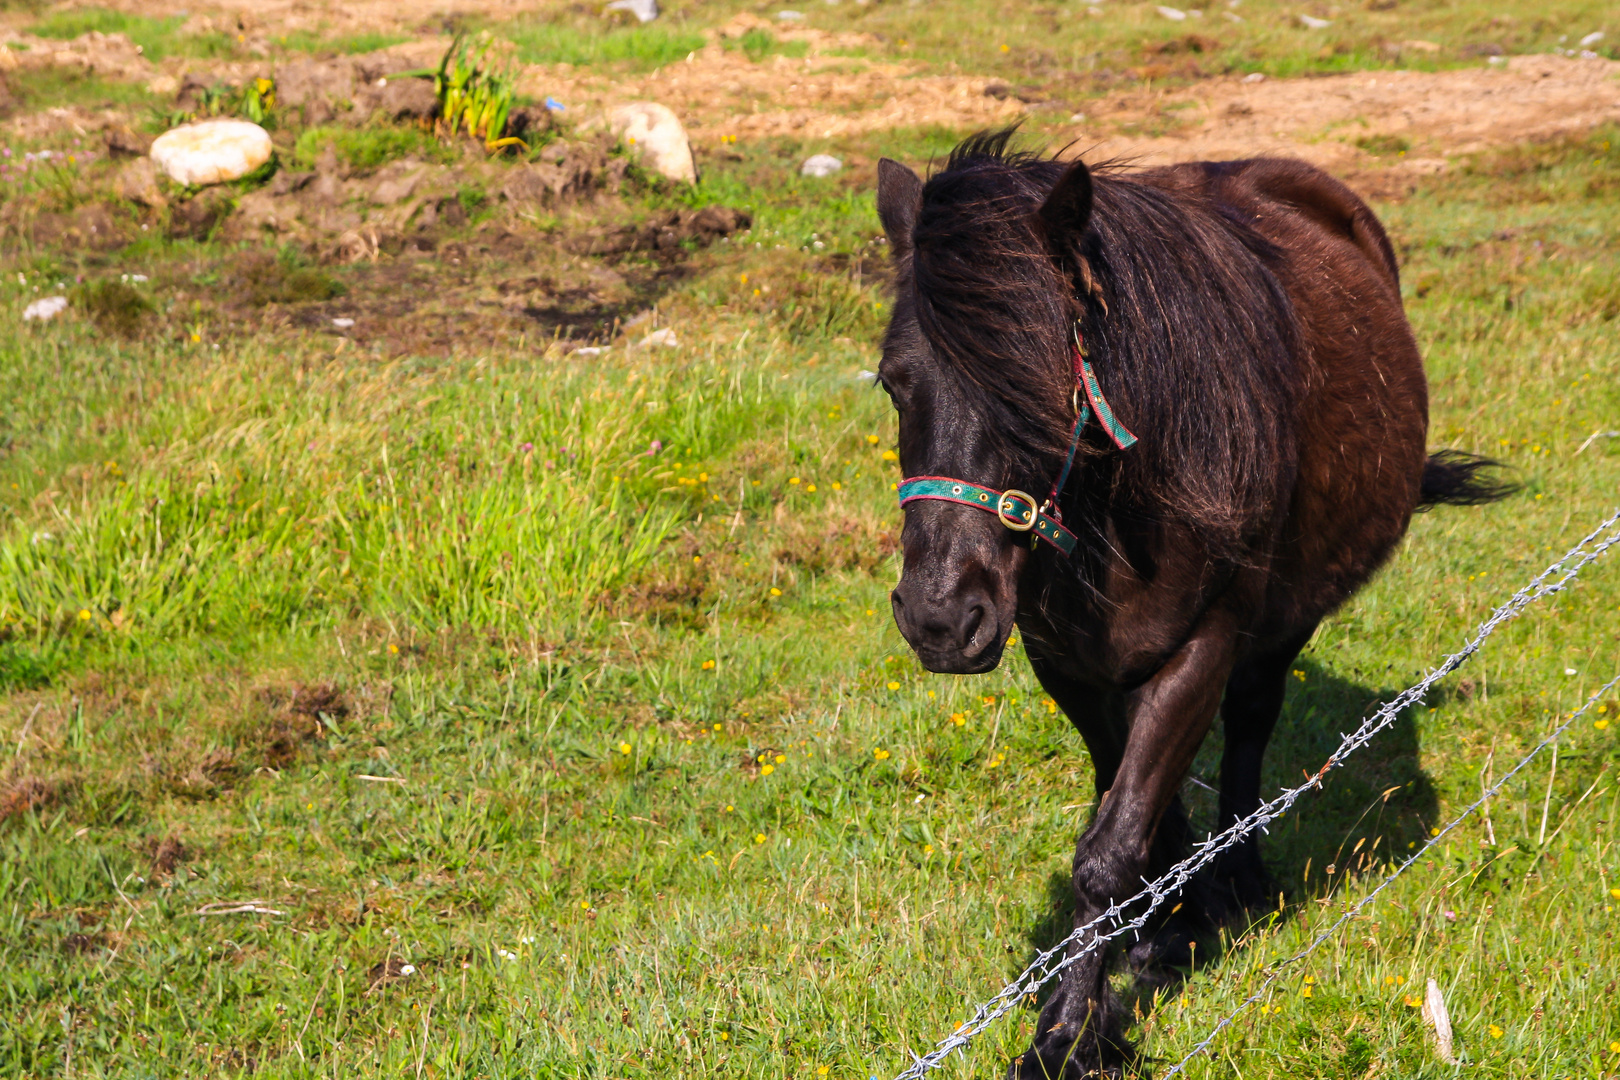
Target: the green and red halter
(1017, 509)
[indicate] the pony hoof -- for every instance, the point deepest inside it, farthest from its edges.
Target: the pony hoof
(1171, 946)
(1067, 1053)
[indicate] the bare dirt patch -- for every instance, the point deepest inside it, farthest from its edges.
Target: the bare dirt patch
(1400, 123)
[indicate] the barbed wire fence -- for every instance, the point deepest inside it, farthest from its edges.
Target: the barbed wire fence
(1352, 911)
(1091, 936)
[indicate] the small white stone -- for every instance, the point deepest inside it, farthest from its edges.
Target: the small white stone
(790, 16)
(1254, 77)
(656, 132)
(1593, 38)
(1173, 14)
(45, 309)
(212, 151)
(342, 324)
(664, 337)
(1311, 22)
(644, 10)
(591, 350)
(820, 165)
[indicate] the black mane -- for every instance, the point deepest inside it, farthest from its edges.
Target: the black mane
(1186, 324)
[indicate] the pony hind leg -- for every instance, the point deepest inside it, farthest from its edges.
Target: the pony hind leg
(1249, 711)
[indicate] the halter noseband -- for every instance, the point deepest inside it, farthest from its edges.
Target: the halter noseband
(1017, 509)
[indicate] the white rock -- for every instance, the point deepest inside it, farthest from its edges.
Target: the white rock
(1593, 38)
(342, 324)
(45, 309)
(591, 350)
(212, 151)
(656, 132)
(1173, 14)
(1254, 77)
(790, 16)
(820, 165)
(664, 337)
(644, 10)
(1311, 22)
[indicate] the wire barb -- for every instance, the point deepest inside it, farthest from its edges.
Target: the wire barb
(1351, 912)
(1050, 964)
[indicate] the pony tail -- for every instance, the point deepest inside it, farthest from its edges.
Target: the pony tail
(1453, 478)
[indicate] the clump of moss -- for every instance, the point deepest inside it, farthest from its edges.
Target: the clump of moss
(115, 307)
(281, 281)
(1384, 145)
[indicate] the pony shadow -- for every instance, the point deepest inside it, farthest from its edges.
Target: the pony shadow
(1363, 817)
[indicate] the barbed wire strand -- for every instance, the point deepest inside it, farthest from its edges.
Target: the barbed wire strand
(1353, 911)
(1049, 964)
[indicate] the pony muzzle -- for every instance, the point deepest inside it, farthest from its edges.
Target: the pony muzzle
(957, 597)
(957, 636)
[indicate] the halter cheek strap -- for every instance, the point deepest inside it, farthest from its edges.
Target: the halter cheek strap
(1017, 509)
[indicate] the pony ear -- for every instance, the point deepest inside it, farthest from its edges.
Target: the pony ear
(899, 196)
(1067, 210)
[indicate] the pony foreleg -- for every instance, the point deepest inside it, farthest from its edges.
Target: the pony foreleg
(1080, 1030)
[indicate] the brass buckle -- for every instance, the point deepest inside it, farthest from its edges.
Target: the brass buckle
(1004, 505)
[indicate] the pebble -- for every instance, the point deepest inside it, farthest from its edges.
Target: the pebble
(1173, 14)
(656, 132)
(1311, 22)
(1254, 77)
(820, 165)
(644, 10)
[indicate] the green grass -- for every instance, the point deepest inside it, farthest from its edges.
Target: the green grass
(634, 48)
(158, 36)
(315, 42)
(373, 145)
(281, 575)
(48, 87)
(1078, 49)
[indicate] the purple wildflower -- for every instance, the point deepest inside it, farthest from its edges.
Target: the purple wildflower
(527, 447)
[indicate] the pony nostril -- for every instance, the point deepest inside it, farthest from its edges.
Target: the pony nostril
(968, 632)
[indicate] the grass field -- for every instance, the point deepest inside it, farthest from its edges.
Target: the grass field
(548, 712)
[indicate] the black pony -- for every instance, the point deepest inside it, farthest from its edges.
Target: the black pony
(1219, 353)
